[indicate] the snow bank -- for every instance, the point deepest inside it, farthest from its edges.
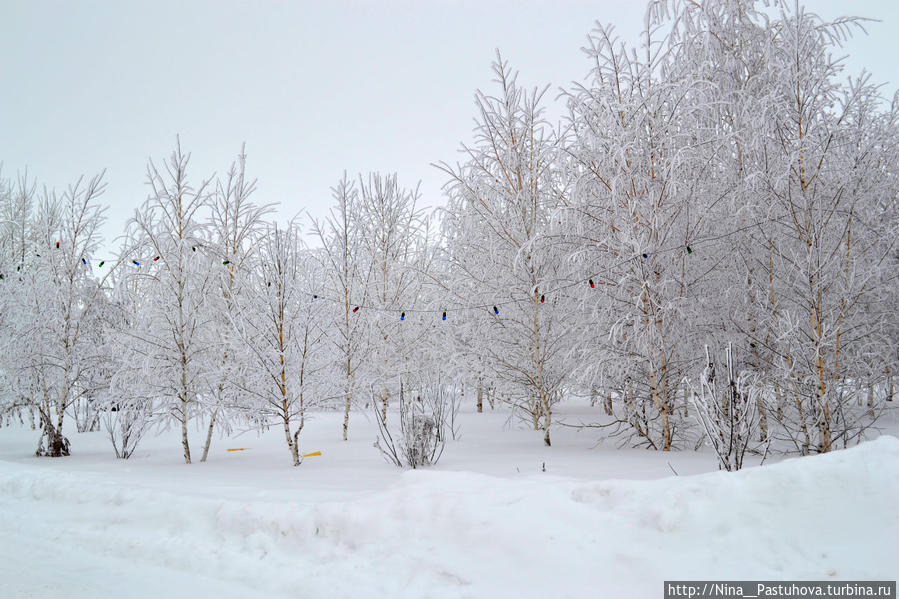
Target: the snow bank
(458, 534)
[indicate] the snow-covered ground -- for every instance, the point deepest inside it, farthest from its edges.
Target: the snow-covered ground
(487, 521)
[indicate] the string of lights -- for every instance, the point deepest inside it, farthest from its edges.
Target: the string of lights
(495, 306)
(539, 297)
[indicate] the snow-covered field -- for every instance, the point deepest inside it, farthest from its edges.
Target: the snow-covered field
(487, 521)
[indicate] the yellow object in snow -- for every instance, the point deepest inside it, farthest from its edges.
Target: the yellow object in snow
(307, 455)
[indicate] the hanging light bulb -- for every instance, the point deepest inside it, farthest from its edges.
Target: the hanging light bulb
(57, 245)
(402, 316)
(496, 310)
(444, 315)
(102, 262)
(689, 251)
(356, 309)
(226, 262)
(156, 258)
(542, 298)
(136, 263)
(83, 261)
(315, 297)
(645, 256)
(592, 285)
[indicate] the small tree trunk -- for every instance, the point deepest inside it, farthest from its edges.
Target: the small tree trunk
(60, 445)
(480, 398)
(57, 444)
(346, 416)
(547, 419)
(871, 400)
(347, 389)
(660, 403)
(184, 442)
(209, 435)
(666, 431)
(292, 443)
(295, 453)
(825, 441)
(808, 440)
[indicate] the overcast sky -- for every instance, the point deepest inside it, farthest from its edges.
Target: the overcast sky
(313, 88)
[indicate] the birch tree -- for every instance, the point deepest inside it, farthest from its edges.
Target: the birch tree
(345, 286)
(391, 233)
(235, 228)
(643, 186)
(58, 311)
(504, 261)
(177, 344)
(278, 325)
(128, 408)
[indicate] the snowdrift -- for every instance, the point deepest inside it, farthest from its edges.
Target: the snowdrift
(454, 534)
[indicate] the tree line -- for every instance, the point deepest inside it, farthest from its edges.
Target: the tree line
(704, 246)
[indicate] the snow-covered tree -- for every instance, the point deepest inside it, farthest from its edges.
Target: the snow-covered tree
(392, 232)
(58, 312)
(129, 408)
(344, 286)
(645, 185)
(277, 319)
(505, 261)
(170, 239)
(235, 230)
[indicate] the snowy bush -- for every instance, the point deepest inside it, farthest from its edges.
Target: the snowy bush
(422, 428)
(126, 423)
(727, 408)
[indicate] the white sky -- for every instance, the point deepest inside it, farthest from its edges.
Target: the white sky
(314, 88)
